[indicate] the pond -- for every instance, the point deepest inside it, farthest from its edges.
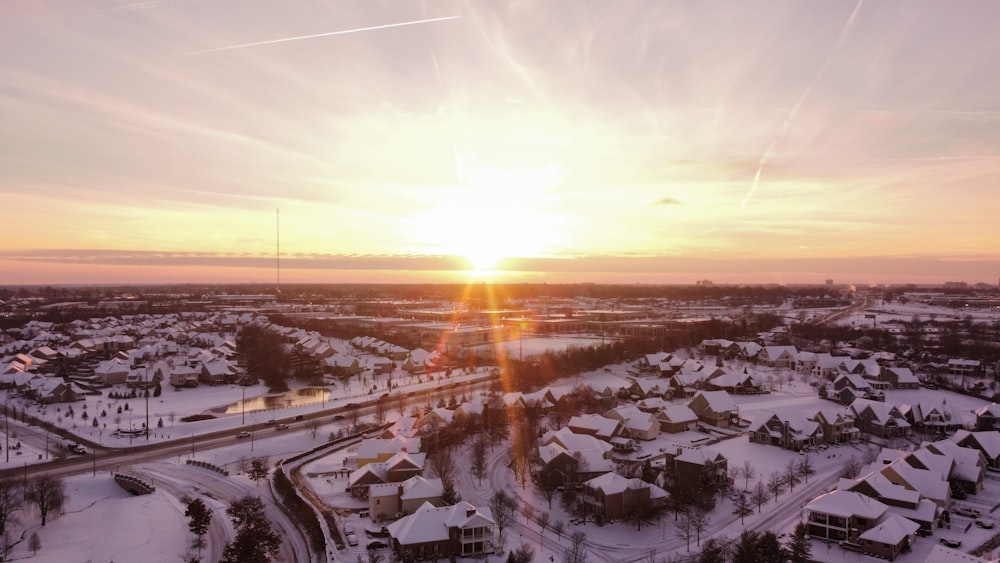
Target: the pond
(298, 397)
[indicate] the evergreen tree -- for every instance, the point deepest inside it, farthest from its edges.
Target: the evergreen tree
(255, 541)
(798, 548)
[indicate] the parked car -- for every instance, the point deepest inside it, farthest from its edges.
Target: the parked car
(243, 434)
(951, 542)
(352, 539)
(967, 511)
(984, 523)
(377, 545)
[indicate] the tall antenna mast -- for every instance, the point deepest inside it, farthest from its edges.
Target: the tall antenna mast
(277, 251)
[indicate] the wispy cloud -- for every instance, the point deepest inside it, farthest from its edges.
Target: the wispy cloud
(313, 36)
(667, 201)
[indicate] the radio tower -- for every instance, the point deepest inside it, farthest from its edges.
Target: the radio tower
(277, 253)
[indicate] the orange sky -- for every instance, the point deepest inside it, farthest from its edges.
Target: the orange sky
(652, 142)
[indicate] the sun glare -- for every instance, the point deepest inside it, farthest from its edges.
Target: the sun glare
(494, 215)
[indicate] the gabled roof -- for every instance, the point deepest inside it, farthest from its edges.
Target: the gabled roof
(431, 524)
(717, 401)
(988, 441)
(847, 504)
(892, 530)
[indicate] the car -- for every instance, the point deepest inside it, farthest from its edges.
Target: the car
(338, 417)
(78, 449)
(351, 406)
(951, 542)
(348, 528)
(967, 511)
(243, 434)
(984, 523)
(352, 539)
(281, 427)
(377, 545)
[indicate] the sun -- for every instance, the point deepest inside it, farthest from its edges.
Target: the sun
(495, 215)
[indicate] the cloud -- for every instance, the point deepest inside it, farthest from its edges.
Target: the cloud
(667, 201)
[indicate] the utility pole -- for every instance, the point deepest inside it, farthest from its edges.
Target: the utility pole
(145, 385)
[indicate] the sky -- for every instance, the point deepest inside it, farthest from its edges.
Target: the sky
(258, 141)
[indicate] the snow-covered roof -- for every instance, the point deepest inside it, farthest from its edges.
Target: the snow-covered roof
(847, 504)
(433, 524)
(892, 530)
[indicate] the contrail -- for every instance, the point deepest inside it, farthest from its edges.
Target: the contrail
(301, 37)
(844, 32)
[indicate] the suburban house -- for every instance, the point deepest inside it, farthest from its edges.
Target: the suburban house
(900, 377)
(987, 442)
(962, 366)
(432, 533)
(595, 425)
(988, 417)
(736, 383)
(561, 466)
(837, 424)
(677, 418)
(636, 424)
(879, 419)
(611, 496)
(789, 432)
(891, 537)
(900, 500)
(381, 449)
(715, 407)
(389, 501)
(398, 468)
(841, 515)
(778, 356)
(939, 417)
(692, 464)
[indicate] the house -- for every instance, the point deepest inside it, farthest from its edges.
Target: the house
(715, 407)
(987, 442)
(837, 424)
(781, 357)
(397, 468)
(787, 432)
(736, 383)
(962, 366)
(56, 390)
(842, 515)
(595, 425)
(934, 416)
(692, 465)
(900, 377)
(216, 372)
(879, 419)
(988, 417)
(893, 535)
(342, 365)
(900, 500)
(112, 372)
(381, 449)
(967, 473)
(677, 418)
(860, 385)
(612, 497)
(390, 501)
(184, 376)
(434, 533)
(636, 424)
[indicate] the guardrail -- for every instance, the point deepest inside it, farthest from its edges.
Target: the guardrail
(208, 465)
(134, 485)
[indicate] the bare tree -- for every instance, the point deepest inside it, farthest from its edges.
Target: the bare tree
(685, 530)
(851, 468)
(10, 502)
(759, 495)
(871, 454)
(503, 507)
(47, 493)
(742, 504)
(34, 543)
(258, 470)
(520, 465)
(558, 527)
(543, 522)
(442, 464)
(776, 484)
(576, 553)
(352, 416)
(700, 521)
(806, 469)
(380, 410)
(749, 472)
(791, 476)
(313, 424)
(478, 465)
